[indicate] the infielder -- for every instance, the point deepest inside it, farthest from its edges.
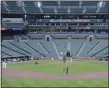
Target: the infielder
(36, 64)
(65, 70)
(64, 59)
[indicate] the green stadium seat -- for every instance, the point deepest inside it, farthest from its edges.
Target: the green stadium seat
(49, 47)
(15, 9)
(62, 47)
(88, 46)
(11, 3)
(37, 46)
(11, 25)
(8, 44)
(26, 48)
(49, 3)
(62, 10)
(48, 10)
(11, 52)
(75, 47)
(31, 9)
(4, 55)
(29, 3)
(69, 3)
(76, 10)
(103, 10)
(98, 48)
(89, 3)
(3, 9)
(91, 10)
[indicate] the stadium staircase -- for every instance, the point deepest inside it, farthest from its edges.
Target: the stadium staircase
(81, 49)
(56, 49)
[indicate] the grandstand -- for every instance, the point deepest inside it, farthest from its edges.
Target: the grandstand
(68, 24)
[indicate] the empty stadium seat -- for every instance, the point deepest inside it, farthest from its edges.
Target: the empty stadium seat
(37, 46)
(8, 44)
(98, 48)
(5, 55)
(103, 10)
(89, 3)
(76, 10)
(62, 47)
(48, 10)
(49, 47)
(75, 47)
(3, 9)
(27, 49)
(88, 46)
(15, 9)
(11, 52)
(69, 3)
(102, 53)
(11, 3)
(62, 10)
(43, 48)
(29, 3)
(49, 3)
(32, 9)
(15, 25)
(91, 10)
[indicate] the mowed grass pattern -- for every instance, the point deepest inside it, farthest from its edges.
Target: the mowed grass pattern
(56, 66)
(14, 82)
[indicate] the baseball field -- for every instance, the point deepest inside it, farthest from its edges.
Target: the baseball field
(48, 73)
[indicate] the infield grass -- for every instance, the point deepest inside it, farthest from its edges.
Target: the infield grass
(56, 66)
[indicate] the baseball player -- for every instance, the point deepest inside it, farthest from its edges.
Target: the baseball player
(4, 64)
(52, 59)
(36, 64)
(71, 59)
(64, 59)
(65, 70)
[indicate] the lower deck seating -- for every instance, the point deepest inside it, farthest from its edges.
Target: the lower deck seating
(42, 48)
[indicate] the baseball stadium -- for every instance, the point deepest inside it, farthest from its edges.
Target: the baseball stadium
(54, 43)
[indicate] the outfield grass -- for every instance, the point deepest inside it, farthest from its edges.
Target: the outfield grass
(57, 66)
(13, 82)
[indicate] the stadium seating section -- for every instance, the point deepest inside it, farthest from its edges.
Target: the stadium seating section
(51, 6)
(79, 47)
